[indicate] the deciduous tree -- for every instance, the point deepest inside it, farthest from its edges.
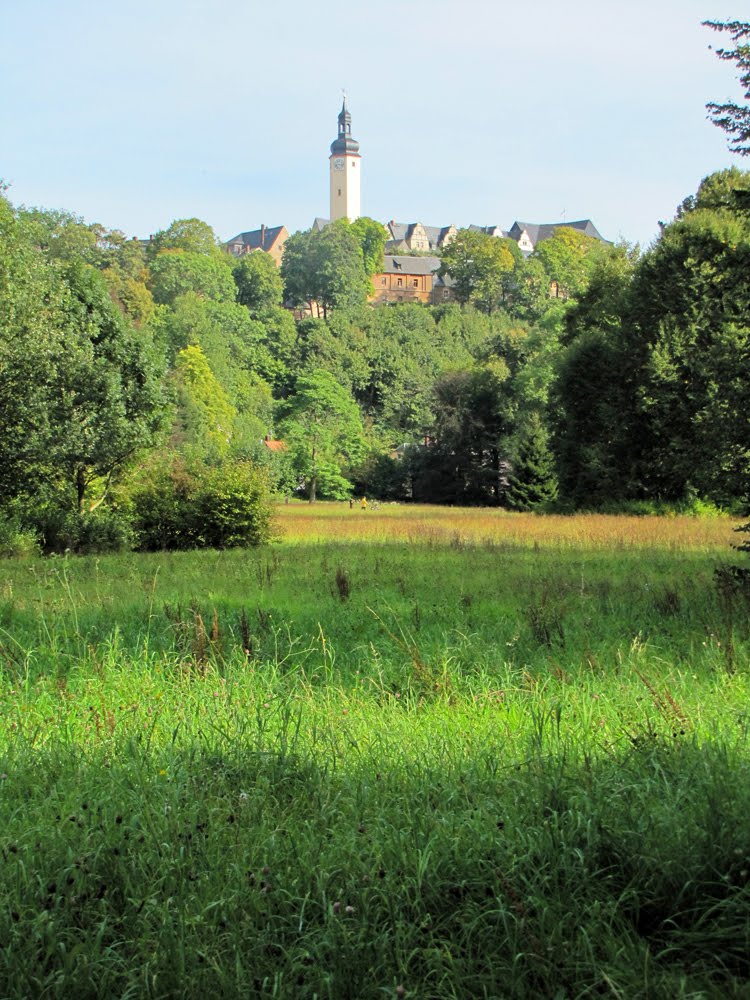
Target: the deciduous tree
(322, 427)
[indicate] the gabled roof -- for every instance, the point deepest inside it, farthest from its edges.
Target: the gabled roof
(258, 239)
(319, 224)
(405, 230)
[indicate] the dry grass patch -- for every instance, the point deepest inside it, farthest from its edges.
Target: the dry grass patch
(422, 524)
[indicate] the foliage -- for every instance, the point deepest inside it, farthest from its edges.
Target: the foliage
(174, 272)
(199, 506)
(103, 529)
(188, 235)
(733, 118)
(478, 265)
(532, 482)
(324, 269)
(465, 461)
(259, 284)
(323, 429)
(569, 257)
(372, 237)
(16, 540)
(205, 416)
(694, 393)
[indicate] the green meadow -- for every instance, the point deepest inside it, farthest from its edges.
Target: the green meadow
(400, 752)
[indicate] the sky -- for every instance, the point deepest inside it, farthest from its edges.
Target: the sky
(133, 113)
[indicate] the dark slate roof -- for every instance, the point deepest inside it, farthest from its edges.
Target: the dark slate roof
(491, 231)
(398, 264)
(258, 239)
(539, 232)
(436, 234)
(319, 224)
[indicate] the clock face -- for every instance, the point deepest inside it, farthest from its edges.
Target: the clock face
(338, 163)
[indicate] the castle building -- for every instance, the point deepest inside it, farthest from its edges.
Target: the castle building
(345, 170)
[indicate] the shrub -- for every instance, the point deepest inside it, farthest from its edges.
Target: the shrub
(16, 541)
(233, 507)
(224, 506)
(102, 530)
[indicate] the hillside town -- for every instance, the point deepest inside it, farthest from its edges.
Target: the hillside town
(412, 249)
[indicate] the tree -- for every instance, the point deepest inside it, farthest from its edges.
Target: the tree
(691, 305)
(174, 272)
(322, 427)
(568, 258)
(205, 415)
(31, 296)
(106, 398)
(532, 483)
(734, 118)
(259, 284)
(190, 235)
(478, 265)
(464, 462)
(325, 270)
(372, 237)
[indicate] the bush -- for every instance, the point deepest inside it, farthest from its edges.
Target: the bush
(102, 530)
(221, 507)
(16, 541)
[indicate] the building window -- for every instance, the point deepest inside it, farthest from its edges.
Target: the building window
(399, 282)
(383, 281)
(416, 282)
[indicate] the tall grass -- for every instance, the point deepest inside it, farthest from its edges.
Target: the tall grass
(341, 770)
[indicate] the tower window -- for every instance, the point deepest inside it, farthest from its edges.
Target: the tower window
(339, 192)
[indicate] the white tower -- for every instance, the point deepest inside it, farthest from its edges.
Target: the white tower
(345, 170)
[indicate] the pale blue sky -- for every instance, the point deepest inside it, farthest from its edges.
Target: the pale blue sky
(135, 112)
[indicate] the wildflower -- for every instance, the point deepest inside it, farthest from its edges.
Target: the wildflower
(244, 796)
(162, 772)
(349, 910)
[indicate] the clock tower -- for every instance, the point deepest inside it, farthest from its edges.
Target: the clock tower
(344, 170)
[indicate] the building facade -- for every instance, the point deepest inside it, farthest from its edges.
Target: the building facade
(410, 279)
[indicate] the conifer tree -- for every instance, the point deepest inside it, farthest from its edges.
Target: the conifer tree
(533, 482)
(734, 118)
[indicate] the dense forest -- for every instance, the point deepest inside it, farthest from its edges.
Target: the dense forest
(141, 380)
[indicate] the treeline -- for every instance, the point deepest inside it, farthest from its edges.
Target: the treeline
(141, 385)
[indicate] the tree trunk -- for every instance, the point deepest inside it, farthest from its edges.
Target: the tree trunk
(313, 479)
(80, 487)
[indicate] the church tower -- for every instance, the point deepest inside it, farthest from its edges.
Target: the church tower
(345, 169)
